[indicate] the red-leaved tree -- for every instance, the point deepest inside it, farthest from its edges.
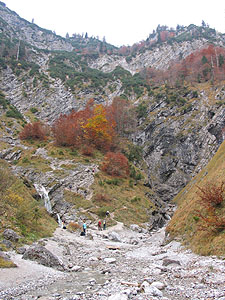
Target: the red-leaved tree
(68, 130)
(115, 164)
(212, 198)
(36, 131)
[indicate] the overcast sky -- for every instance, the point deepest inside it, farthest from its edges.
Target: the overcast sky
(122, 22)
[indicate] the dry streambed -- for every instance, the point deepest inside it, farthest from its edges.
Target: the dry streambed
(116, 264)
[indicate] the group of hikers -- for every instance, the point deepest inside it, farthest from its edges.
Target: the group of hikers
(101, 225)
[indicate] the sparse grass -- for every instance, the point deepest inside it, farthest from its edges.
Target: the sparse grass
(73, 227)
(19, 209)
(184, 222)
(129, 203)
(4, 263)
(77, 200)
(32, 161)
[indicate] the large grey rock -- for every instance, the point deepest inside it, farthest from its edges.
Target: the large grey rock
(151, 289)
(159, 285)
(136, 228)
(169, 261)
(21, 250)
(7, 243)
(109, 260)
(114, 236)
(43, 256)
(11, 235)
(118, 296)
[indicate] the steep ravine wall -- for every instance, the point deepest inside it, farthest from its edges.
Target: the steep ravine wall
(177, 146)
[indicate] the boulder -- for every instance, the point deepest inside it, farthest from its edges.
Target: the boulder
(153, 291)
(109, 260)
(159, 285)
(114, 236)
(7, 244)
(76, 268)
(21, 250)
(136, 228)
(118, 296)
(168, 261)
(43, 256)
(133, 241)
(11, 235)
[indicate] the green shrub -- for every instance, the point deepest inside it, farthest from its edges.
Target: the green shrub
(114, 181)
(142, 110)
(74, 152)
(14, 113)
(33, 110)
(135, 199)
(25, 160)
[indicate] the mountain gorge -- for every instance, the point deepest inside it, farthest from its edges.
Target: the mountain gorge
(173, 85)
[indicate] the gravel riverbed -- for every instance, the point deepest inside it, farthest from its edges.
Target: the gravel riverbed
(115, 264)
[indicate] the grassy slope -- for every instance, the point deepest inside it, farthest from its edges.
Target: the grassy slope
(18, 209)
(184, 222)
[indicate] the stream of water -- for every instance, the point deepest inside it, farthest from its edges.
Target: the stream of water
(44, 195)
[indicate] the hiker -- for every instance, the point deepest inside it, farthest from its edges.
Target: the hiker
(84, 228)
(107, 213)
(99, 225)
(63, 225)
(104, 225)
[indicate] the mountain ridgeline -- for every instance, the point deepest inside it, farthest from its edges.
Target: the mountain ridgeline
(171, 94)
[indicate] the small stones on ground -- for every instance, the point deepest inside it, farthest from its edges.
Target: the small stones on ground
(168, 261)
(109, 260)
(118, 296)
(147, 271)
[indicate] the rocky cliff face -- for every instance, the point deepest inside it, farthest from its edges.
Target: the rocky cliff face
(178, 145)
(158, 57)
(19, 28)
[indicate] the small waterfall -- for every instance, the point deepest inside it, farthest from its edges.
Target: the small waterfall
(59, 221)
(44, 195)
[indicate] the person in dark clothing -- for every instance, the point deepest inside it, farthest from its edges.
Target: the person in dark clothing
(104, 225)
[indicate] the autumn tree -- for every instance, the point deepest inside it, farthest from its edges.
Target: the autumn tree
(115, 164)
(89, 127)
(122, 114)
(68, 129)
(36, 131)
(212, 198)
(98, 130)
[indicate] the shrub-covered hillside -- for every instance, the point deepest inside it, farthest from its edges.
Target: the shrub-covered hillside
(200, 217)
(19, 210)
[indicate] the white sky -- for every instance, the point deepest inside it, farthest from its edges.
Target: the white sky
(122, 22)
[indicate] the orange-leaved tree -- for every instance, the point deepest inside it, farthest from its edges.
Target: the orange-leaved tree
(115, 164)
(98, 130)
(68, 129)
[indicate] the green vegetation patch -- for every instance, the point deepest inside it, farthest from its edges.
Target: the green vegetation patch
(20, 211)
